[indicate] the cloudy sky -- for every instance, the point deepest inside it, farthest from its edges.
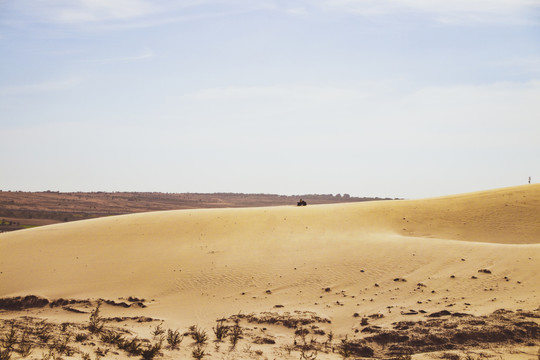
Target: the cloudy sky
(399, 98)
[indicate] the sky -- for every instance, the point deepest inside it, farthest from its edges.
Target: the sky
(388, 98)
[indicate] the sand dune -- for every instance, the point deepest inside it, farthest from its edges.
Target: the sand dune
(388, 257)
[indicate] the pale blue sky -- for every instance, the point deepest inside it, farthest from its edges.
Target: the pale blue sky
(409, 98)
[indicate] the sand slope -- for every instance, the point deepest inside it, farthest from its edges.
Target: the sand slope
(198, 265)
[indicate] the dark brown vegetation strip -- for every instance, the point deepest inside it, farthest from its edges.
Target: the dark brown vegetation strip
(21, 303)
(453, 332)
(288, 320)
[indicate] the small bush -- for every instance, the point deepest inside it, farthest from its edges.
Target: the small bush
(61, 345)
(96, 321)
(450, 356)
(199, 352)
(174, 339)
(43, 331)
(151, 352)
(25, 346)
(344, 350)
(235, 334)
(132, 346)
(220, 330)
(349, 348)
(198, 335)
(158, 331)
(81, 337)
(329, 339)
(111, 337)
(10, 338)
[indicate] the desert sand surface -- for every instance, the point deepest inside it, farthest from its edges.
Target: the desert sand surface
(454, 277)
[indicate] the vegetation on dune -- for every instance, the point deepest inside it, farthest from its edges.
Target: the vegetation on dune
(454, 335)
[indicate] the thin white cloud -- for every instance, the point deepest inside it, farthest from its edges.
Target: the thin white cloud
(42, 87)
(455, 11)
(280, 92)
(166, 19)
(106, 14)
(77, 11)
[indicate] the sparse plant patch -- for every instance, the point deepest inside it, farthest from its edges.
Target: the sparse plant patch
(349, 348)
(43, 331)
(61, 345)
(21, 303)
(112, 337)
(450, 356)
(25, 345)
(158, 332)
(151, 352)
(291, 321)
(10, 338)
(80, 337)
(329, 339)
(96, 321)
(199, 352)
(235, 334)
(198, 335)
(132, 346)
(174, 339)
(344, 350)
(220, 330)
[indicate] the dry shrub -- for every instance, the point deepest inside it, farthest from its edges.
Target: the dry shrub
(96, 321)
(199, 351)
(174, 338)
(220, 330)
(291, 321)
(198, 335)
(450, 356)
(235, 334)
(21, 303)
(151, 352)
(349, 348)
